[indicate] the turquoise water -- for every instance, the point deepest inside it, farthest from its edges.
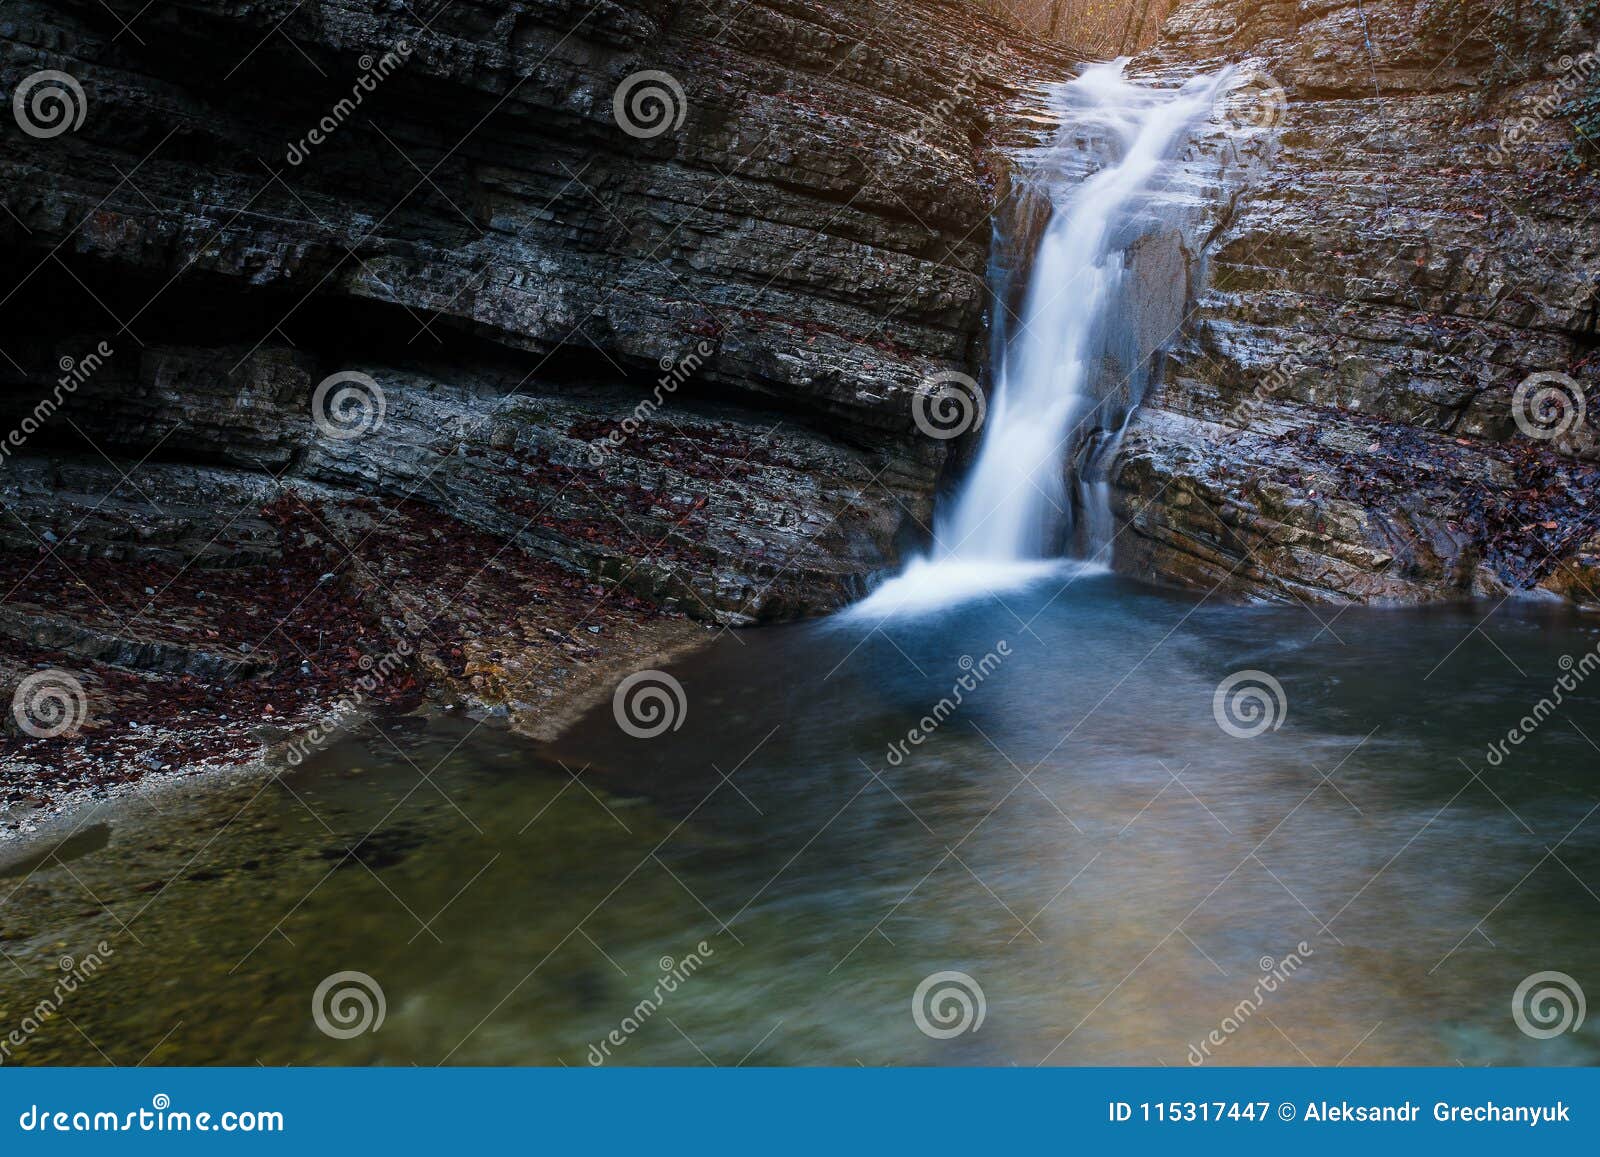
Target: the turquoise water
(1113, 874)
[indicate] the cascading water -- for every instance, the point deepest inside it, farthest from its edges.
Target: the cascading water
(1069, 371)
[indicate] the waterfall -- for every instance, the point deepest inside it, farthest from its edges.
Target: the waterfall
(1070, 369)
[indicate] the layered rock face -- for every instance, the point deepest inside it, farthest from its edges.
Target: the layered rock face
(781, 226)
(477, 331)
(1402, 246)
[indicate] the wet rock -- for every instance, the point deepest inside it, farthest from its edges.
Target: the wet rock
(804, 249)
(576, 378)
(1336, 420)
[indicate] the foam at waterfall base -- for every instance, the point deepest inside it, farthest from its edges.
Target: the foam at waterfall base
(926, 586)
(1044, 458)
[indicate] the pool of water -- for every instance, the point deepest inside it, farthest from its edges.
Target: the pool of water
(1116, 876)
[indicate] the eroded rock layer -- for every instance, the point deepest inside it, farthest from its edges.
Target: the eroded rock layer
(1337, 420)
(620, 307)
(443, 197)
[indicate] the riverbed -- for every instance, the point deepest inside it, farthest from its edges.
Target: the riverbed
(1020, 831)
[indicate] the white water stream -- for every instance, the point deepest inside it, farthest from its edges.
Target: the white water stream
(1054, 421)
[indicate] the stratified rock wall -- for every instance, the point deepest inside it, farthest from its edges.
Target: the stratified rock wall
(770, 243)
(1338, 418)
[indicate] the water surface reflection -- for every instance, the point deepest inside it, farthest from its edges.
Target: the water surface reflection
(1080, 837)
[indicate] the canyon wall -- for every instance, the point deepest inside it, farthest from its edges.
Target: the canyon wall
(782, 238)
(1411, 239)
(355, 351)
(461, 341)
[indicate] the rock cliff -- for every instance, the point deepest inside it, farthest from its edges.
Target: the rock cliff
(621, 307)
(463, 341)
(1344, 415)
(441, 197)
